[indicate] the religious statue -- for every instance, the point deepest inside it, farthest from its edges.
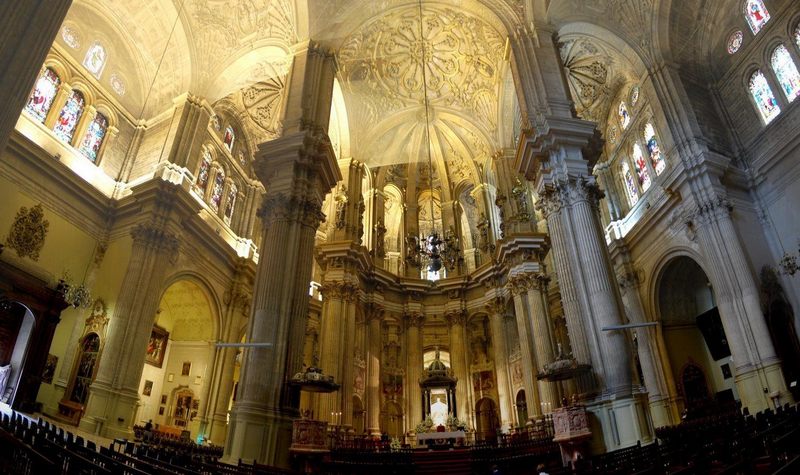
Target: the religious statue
(439, 412)
(341, 207)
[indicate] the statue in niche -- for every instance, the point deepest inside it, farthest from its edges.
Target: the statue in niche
(439, 412)
(500, 202)
(380, 233)
(483, 235)
(341, 207)
(361, 208)
(520, 195)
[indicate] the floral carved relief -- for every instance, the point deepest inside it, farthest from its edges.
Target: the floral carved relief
(28, 232)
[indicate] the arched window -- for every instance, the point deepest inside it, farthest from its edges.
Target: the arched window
(69, 117)
(43, 94)
(756, 14)
(216, 192)
(786, 72)
(93, 140)
(656, 159)
(624, 117)
(204, 170)
(641, 167)
(630, 185)
(95, 59)
(229, 138)
(762, 95)
(230, 203)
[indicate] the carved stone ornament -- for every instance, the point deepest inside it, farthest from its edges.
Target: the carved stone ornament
(28, 232)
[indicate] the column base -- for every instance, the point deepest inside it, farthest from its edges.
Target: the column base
(619, 423)
(258, 434)
(663, 411)
(759, 387)
(110, 412)
(218, 429)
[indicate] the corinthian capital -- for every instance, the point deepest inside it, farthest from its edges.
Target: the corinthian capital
(414, 319)
(158, 238)
(456, 317)
(339, 290)
(496, 306)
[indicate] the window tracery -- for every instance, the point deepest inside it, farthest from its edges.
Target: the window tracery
(785, 70)
(641, 167)
(93, 139)
(43, 93)
(95, 59)
(764, 98)
(756, 14)
(70, 115)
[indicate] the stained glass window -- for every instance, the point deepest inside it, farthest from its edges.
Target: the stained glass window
(95, 59)
(797, 36)
(216, 192)
(756, 14)
(69, 117)
(624, 117)
(228, 138)
(762, 94)
(786, 72)
(93, 140)
(641, 167)
(204, 170)
(634, 95)
(230, 203)
(43, 94)
(630, 185)
(656, 159)
(735, 41)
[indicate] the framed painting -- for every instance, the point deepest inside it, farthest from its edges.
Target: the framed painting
(156, 347)
(148, 388)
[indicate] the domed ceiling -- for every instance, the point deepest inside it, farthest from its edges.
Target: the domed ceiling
(381, 72)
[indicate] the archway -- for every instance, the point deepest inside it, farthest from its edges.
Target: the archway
(486, 419)
(176, 380)
(695, 340)
(16, 327)
(522, 408)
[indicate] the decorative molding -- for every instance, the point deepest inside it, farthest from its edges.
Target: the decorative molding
(28, 232)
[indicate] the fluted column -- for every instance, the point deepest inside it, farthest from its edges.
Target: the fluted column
(374, 316)
(298, 170)
(497, 315)
(655, 370)
(542, 339)
(414, 321)
(237, 301)
(27, 30)
(114, 395)
(458, 361)
(520, 286)
(758, 372)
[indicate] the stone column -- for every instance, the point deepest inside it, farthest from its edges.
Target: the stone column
(190, 118)
(114, 395)
(237, 301)
(758, 372)
(655, 370)
(542, 338)
(496, 307)
(456, 320)
(414, 321)
(27, 31)
(374, 314)
(298, 170)
(520, 286)
(606, 182)
(63, 93)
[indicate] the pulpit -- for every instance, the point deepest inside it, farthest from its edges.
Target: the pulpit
(571, 426)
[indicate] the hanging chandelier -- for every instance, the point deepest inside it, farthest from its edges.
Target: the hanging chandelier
(432, 251)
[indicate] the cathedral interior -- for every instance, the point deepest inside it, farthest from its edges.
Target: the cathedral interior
(225, 218)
